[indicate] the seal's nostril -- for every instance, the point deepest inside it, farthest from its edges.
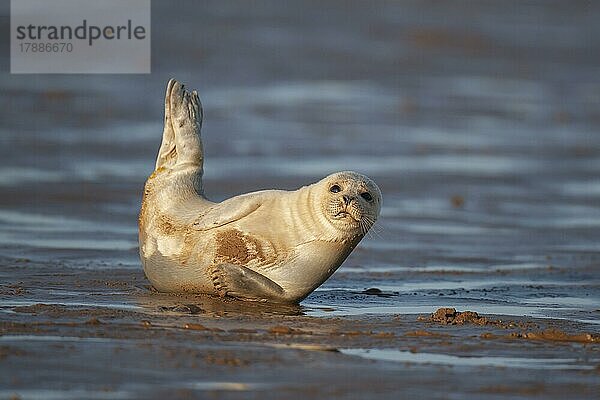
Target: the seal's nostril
(346, 200)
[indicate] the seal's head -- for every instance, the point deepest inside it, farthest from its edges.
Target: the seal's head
(350, 202)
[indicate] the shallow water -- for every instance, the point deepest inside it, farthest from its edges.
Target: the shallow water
(444, 359)
(479, 122)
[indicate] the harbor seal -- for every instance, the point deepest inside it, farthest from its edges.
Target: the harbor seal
(270, 245)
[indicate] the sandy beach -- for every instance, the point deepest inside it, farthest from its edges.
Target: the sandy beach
(121, 340)
(479, 122)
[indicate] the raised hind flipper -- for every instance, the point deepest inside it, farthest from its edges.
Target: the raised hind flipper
(186, 113)
(241, 282)
(166, 153)
(181, 144)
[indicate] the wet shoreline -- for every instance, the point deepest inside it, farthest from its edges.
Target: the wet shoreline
(478, 121)
(100, 319)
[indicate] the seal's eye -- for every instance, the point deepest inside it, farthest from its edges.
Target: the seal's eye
(335, 189)
(367, 196)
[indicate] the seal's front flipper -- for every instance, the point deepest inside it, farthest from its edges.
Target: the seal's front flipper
(239, 281)
(228, 211)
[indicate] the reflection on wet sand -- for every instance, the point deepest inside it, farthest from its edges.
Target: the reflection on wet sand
(152, 302)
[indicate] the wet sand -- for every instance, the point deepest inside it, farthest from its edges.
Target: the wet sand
(104, 334)
(479, 123)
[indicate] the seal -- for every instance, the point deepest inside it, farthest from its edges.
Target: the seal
(270, 245)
